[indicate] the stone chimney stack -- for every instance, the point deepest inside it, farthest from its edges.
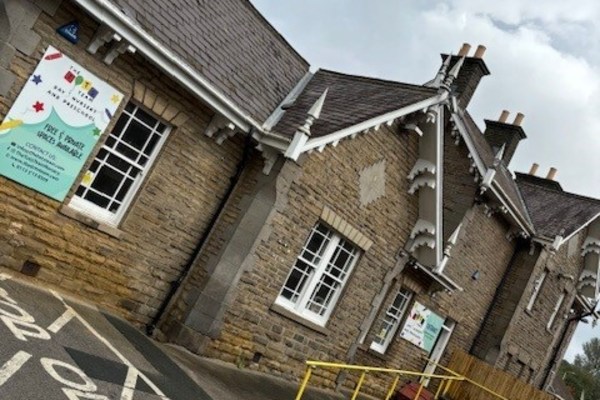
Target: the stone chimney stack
(501, 132)
(470, 74)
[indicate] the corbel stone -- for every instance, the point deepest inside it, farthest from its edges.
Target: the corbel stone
(217, 123)
(103, 35)
(223, 135)
(117, 49)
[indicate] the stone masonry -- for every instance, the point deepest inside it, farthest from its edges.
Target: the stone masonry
(128, 269)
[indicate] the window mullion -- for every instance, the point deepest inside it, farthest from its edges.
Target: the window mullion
(313, 280)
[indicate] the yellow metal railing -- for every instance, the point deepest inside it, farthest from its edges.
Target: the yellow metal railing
(445, 380)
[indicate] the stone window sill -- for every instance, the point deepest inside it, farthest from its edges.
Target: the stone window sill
(91, 222)
(298, 319)
(368, 350)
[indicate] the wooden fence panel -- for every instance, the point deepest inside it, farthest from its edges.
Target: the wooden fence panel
(501, 383)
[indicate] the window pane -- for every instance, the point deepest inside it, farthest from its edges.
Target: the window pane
(316, 244)
(151, 144)
(123, 191)
(97, 199)
(118, 163)
(136, 135)
(94, 166)
(116, 131)
(130, 107)
(114, 206)
(127, 151)
(107, 180)
(110, 141)
(145, 117)
(322, 295)
(296, 280)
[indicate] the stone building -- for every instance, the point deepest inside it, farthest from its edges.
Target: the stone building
(250, 210)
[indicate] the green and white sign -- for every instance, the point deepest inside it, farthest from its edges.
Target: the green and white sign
(422, 327)
(53, 125)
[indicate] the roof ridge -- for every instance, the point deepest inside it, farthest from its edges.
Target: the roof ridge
(279, 35)
(375, 79)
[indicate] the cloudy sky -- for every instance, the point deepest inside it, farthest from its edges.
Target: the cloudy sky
(545, 63)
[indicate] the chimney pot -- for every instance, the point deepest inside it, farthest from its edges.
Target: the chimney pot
(480, 51)
(519, 119)
(503, 116)
(464, 50)
(551, 173)
(534, 168)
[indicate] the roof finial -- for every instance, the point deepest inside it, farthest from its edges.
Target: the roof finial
(453, 74)
(499, 155)
(314, 113)
(439, 78)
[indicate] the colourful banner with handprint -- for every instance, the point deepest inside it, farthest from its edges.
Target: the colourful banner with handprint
(422, 327)
(54, 124)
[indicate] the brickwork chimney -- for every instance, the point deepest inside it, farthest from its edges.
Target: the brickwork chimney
(470, 74)
(499, 133)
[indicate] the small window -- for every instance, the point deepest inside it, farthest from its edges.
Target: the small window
(120, 165)
(557, 308)
(536, 290)
(316, 280)
(391, 321)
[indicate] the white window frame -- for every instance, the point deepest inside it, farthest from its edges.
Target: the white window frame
(557, 308)
(102, 214)
(393, 317)
(300, 306)
(536, 290)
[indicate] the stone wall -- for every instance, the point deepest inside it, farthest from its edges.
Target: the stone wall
(527, 340)
(330, 179)
(128, 270)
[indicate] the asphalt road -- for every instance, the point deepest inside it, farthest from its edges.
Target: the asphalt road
(54, 348)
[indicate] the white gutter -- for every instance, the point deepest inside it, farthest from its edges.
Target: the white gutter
(167, 61)
(370, 123)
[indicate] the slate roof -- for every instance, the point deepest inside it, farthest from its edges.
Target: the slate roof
(503, 175)
(554, 211)
(229, 43)
(350, 100)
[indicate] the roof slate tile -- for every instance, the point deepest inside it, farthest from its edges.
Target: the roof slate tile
(350, 100)
(554, 211)
(229, 43)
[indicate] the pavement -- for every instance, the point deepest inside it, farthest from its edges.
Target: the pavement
(225, 381)
(53, 346)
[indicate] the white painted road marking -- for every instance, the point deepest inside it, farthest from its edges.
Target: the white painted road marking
(50, 365)
(132, 374)
(13, 365)
(22, 325)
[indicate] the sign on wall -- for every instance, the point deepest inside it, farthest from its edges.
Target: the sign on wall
(58, 117)
(422, 327)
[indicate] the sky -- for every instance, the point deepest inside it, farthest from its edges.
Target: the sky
(544, 62)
